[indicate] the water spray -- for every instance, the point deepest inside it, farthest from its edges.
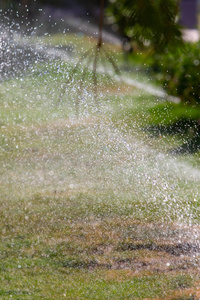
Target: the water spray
(92, 57)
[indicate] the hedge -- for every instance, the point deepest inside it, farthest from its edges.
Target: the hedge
(179, 72)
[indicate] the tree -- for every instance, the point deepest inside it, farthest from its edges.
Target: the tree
(147, 21)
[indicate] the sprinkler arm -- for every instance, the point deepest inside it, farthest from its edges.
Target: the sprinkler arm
(99, 44)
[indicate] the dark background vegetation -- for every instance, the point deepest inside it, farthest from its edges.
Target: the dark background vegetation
(78, 7)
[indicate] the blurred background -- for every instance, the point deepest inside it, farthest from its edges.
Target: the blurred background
(62, 13)
(145, 30)
(67, 11)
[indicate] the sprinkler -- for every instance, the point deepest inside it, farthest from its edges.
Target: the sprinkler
(91, 58)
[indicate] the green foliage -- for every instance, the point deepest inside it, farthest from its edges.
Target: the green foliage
(179, 73)
(147, 21)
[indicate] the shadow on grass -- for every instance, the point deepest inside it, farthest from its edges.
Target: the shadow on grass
(188, 128)
(176, 250)
(190, 147)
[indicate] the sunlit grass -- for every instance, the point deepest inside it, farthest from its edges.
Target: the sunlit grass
(85, 212)
(76, 44)
(72, 284)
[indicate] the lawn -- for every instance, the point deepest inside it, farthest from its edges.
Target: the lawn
(94, 206)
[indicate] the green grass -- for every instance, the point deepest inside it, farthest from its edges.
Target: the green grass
(84, 211)
(94, 285)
